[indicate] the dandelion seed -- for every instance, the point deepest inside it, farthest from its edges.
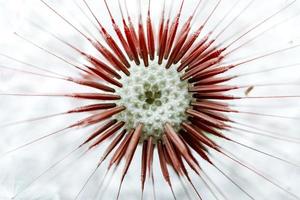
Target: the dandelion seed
(167, 90)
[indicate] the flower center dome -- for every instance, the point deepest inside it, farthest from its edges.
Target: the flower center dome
(153, 95)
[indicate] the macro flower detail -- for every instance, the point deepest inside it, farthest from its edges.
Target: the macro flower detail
(164, 88)
(153, 96)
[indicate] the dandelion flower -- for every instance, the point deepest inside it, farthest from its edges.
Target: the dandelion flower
(182, 87)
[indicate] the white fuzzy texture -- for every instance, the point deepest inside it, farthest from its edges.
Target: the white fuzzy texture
(170, 98)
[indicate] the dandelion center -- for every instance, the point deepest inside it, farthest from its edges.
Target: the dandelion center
(153, 96)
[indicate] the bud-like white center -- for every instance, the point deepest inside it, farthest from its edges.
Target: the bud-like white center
(153, 95)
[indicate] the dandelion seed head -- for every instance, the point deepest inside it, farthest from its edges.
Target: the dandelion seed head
(153, 95)
(194, 99)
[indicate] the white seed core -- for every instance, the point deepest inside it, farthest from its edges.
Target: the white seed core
(153, 95)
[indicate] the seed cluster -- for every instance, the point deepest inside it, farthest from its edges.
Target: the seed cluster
(153, 95)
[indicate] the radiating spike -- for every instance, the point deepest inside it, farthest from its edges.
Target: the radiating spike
(112, 145)
(99, 131)
(92, 84)
(144, 165)
(142, 38)
(120, 151)
(199, 135)
(130, 151)
(106, 134)
(163, 166)
(172, 155)
(119, 33)
(96, 118)
(173, 31)
(196, 144)
(150, 34)
(179, 144)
